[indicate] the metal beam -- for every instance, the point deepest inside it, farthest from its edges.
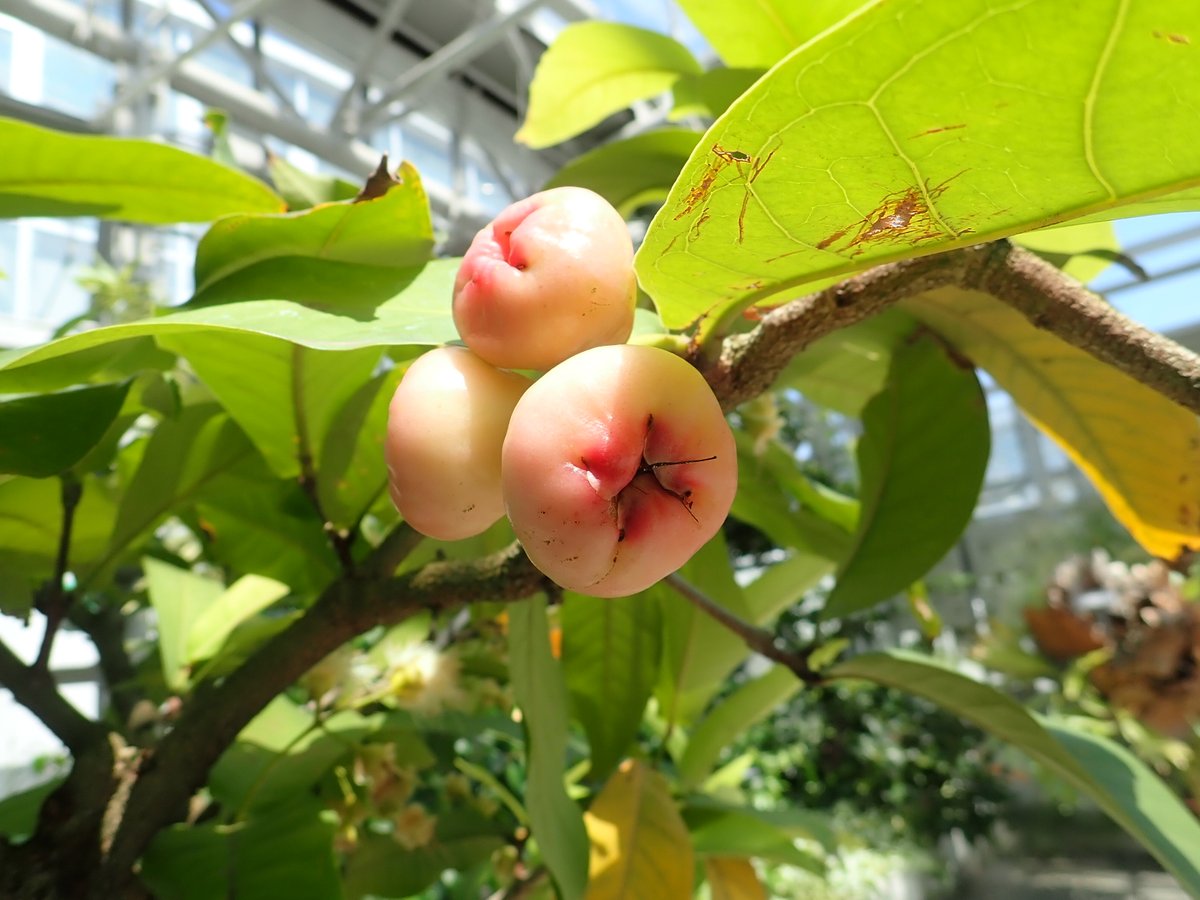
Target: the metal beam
(150, 76)
(379, 39)
(450, 57)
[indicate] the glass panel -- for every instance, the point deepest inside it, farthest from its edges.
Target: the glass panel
(8, 267)
(74, 81)
(5, 59)
(54, 294)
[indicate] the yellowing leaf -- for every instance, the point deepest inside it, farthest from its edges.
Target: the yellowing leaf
(1141, 450)
(640, 847)
(733, 878)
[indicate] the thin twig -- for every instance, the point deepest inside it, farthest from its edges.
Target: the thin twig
(35, 689)
(392, 550)
(57, 600)
(759, 640)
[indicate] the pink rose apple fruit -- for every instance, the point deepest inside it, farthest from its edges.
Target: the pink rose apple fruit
(618, 466)
(446, 425)
(551, 276)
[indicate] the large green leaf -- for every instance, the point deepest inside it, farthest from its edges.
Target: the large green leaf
(30, 523)
(303, 190)
(180, 598)
(710, 93)
(19, 812)
(379, 867)
(749, 703)
(255, 523)
(632, 172)
(372, 307)
(784, 584)
(697, 651)
(765, 499)
(352, 469)
(1099, 415)
(182, 457)
(288, 406)
(1121, 785)
(845, 369)
(49, 173)
(246, 597)
(610, 653)
(540, 692)
(761, 32)
(284, 852)
(393, 230)
(47, 434)
(862, 146)
(921, 461)
(594, 69)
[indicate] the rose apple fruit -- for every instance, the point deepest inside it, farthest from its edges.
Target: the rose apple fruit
(446, 425)
(618, 466)
(551, 276)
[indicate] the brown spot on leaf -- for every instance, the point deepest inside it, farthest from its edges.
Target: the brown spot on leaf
(940, 129)
(904, 217)
(1172, 37)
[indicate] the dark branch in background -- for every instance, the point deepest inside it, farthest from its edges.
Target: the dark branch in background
(749, 363)
(179, 765)
(759, 640)
(55, 600)
(34, 688)
(106, 628)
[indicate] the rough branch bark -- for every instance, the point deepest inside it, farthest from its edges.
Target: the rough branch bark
(179, 765)
(749, 363)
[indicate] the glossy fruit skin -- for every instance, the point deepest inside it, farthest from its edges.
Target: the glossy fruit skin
(551, 276)
(446, 425)
(617, 467)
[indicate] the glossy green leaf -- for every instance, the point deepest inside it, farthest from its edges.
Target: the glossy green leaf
(180, 598)
(594, 69)
(1082, 251)
(100, 363)
(738, 833)
(284, 852)
(19, 812)
(255, 523)
(698, 652)
(767, 504)
(182, 457)
(392, 231)
(352, 470)
(921, 461)
(610, 656)
(845, 369)
(302, 190)
(31, 520)
(287, 407)
(748, 704)
(788, 822)
(50, 173)
(1121, 785)
(861, 146)
(246, 597)
(369, 309)
(1100, 416)
(47, 434)
(539, 690)
(710, 93)
(632, 172)
(762, 32)
(379, 867)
